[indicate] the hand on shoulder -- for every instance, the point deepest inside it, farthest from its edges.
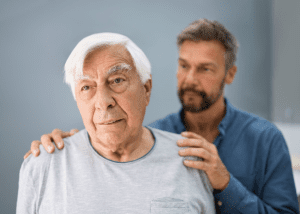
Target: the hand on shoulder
(47, 140)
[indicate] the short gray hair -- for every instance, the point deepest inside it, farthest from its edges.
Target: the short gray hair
(74, 64)
(204, 29)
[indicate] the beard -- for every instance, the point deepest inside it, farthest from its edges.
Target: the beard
(205, 101)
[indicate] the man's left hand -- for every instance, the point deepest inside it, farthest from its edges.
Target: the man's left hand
(215, 169)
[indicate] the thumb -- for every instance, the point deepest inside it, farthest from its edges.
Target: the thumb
(73, 131)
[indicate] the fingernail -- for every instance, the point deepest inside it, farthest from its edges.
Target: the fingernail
(59, 144)
(35, 151)
(73, 132)
(180, 141)
(49, 148)
(186, 161)
(181, 152)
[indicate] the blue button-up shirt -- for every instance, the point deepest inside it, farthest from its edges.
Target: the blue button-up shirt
(256, 155)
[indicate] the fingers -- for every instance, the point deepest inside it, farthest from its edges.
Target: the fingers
(47, 143)
(197, 152)
(27, 154)
(74, 131)
(35, 148)
(196, 164)
(191, 135)
(191, 142)
(198, 143)
(57, 136)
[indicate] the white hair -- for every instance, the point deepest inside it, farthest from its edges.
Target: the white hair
(74, 64)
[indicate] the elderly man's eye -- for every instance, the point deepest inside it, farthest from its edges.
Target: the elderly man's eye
(119, 84)
(118, 80)
(85, 88)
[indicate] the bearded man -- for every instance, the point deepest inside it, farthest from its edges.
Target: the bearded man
(244, 156)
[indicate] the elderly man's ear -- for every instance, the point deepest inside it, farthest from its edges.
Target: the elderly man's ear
(148, 88)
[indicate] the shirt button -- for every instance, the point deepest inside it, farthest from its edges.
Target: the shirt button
(220, 203)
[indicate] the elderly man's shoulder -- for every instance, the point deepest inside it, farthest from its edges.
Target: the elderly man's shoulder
(71, 145)
(166, 139)
(165, 134)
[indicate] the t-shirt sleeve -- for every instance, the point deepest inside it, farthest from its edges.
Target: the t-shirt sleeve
(32, 172)
(27, 197)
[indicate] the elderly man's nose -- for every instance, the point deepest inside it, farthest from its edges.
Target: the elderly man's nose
(104, 100)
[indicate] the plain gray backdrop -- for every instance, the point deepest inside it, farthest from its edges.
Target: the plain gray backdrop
(36, 37)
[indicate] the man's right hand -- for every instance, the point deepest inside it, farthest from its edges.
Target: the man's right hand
(56, 136)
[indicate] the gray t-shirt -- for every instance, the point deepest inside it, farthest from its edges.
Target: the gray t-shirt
(79, 180)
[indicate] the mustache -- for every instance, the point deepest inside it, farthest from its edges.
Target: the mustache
(200, 93)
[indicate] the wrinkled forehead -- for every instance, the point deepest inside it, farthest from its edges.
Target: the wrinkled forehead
(109, 59)
(115, 53)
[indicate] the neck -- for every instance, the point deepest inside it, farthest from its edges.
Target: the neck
(128, 151)
(205, 123)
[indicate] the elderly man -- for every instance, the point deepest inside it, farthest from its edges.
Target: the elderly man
(114, 165)
(244, 156)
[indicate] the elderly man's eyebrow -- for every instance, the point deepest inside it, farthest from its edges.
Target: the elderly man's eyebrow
(85, 77)
(113, 69)
(119, 67)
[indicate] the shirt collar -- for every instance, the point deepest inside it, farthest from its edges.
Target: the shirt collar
(228, 117)
(181, 123)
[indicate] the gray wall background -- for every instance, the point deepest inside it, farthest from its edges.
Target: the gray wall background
(286, 62)
(36, 37)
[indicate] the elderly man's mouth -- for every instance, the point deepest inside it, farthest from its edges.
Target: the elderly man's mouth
(111, 122)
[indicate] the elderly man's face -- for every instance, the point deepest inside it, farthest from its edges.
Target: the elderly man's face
(111, 97)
